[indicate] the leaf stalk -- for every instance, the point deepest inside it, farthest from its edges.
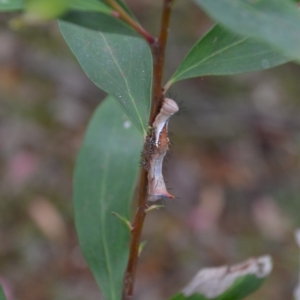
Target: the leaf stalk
(123, 15)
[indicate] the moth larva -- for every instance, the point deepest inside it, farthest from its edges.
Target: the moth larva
(168, 109)
(157, 188)
(158, 148)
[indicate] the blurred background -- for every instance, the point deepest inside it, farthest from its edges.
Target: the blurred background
(235, 167)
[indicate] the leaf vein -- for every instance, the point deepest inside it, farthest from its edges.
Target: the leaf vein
(209, 57)
(125, 81)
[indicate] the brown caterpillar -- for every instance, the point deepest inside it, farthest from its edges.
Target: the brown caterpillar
(158, 147)
(168, 109)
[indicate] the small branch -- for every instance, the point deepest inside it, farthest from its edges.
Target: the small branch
(123, 15)
(154, 207)
(136, 237)
(158, 48)
(124, 220)
(158, 51)
(141, 247)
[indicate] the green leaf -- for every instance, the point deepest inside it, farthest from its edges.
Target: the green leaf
(2, 294)
(241, 288)
(11, 5)
(105, 176)
(227, 282)
(276, 22)
(46, 9)
(115, 59)
(221, 52)
(85, 5)
(41, 6)
(90, 5)
(180, 296)
(296, 293)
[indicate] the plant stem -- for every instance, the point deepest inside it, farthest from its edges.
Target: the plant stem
(136, 237)
(122, 14)
(158, 51)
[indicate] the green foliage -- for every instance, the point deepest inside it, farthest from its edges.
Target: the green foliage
(2, 294)
(262, 34)
(241, 288)
(180, 296)
(221, 52)
(276, 22)
(45, 9)
(11, 5)
(90, 5)
(105, 176)
(115, 59)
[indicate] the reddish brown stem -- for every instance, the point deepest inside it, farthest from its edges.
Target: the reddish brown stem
(136, 237)
(122, 14)
(158, 51)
